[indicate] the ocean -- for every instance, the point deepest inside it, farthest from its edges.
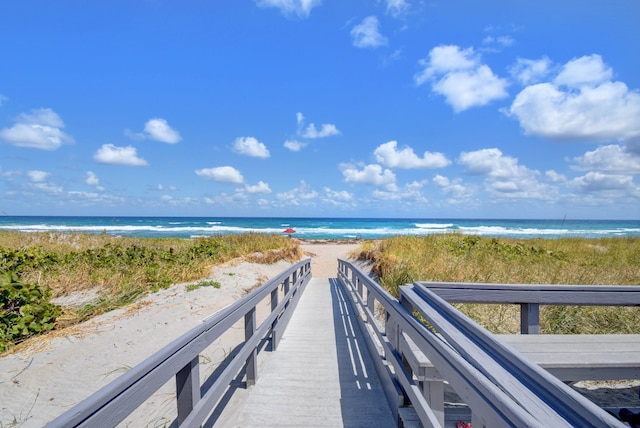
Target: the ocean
(322, 228)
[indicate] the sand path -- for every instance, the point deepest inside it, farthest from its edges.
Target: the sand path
(44, 380)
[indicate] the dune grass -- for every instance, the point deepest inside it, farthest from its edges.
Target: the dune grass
(458, 258)
(122, 269)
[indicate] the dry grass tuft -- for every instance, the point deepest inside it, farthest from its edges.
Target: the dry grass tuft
(458, 258)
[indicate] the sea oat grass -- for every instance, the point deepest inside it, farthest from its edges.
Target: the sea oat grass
(458, 258)
(122, 269)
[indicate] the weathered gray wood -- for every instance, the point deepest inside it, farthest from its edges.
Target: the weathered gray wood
(251, 364)
(375, 292)
(504, 366)
(590, 295)
(188, 388)
(529, 318)
(111, 404)
(471, 371)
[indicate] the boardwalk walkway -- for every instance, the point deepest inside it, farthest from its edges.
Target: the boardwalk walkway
(321, 374)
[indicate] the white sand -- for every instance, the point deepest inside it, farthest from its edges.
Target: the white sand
(42, 381)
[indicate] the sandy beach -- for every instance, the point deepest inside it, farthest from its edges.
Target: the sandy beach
(53, 373)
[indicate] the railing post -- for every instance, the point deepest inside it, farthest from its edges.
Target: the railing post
(188, 388)
(359, 286)
(529, 318)
(252, 360)
(285, 286)
(274, 305)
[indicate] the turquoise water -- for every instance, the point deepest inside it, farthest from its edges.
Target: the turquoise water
(323, 228)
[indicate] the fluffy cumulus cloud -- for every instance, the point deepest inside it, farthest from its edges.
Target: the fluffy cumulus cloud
(260, 188)
(367, 35)
(389, 155)
(529, 71)
(337, 197)
(159, 130)
(294, 145)
(311, 132)
(581, 103)
(93, 180)
(597, 182)
(370, 174)
(249, 146)
(455, 189)
(461, 77)
(114, 155)
(301, 195)
(222, 174)
(156, 129)
(613, 158)
(504, 176)
(291, 8)
(39, 129)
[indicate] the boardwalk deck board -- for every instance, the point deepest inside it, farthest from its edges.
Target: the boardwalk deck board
(321, 374)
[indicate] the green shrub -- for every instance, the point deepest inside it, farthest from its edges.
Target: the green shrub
(25, 310)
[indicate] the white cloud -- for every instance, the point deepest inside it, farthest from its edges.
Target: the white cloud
(586, 70)
(529, 71)
(92, 180)
(612, 159)
(397, 8)
(454, 188)
(37, 176)
(337, 195)
(159, 130)
(411, 193)
(327, 130)
(370, 174)
(555, 176)
(505, 177)
(223, 174)
(294, 145)
(302, 193)
(310, 132)
(291, 8)
(261, 187)
(579, 105)
(113, 155)
(3, 99)
(40, 129)
(251, 147)
(599, 182)
(460, 77)
(366, 34)
(389, 155)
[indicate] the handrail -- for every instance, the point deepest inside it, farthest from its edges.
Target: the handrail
(500, 386)
(531, 296)
(114, 402)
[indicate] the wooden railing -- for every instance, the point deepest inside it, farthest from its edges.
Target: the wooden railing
(180, 359)
(500, 386)
(530, 297)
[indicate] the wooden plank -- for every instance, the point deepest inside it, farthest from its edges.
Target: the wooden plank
(540, 393)
(592, 295)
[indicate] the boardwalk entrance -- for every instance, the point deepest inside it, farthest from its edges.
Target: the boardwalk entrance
(321, 374)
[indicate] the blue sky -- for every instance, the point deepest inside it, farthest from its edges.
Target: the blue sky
(358, 108)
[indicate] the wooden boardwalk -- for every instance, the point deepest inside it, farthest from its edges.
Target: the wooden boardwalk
(321, 374)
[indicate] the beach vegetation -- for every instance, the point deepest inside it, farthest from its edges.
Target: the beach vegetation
(39, 266)
(200, 284)
(458, 258)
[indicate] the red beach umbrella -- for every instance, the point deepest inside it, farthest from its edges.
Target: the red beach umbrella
(289, 230)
